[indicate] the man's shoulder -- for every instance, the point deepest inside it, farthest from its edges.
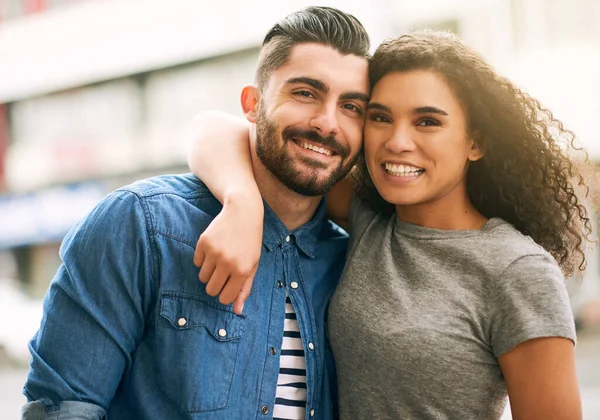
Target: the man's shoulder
(178, 206)
(186, 186)
(180, 193)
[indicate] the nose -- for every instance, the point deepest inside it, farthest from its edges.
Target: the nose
(401, 141)
(326, 121)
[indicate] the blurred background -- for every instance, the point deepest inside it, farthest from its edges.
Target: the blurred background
(95, 94)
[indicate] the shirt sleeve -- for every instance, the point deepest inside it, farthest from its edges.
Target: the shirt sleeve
(67, 410)
(95, 309)
(529, 300)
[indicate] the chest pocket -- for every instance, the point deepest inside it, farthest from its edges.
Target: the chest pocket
(196, 347)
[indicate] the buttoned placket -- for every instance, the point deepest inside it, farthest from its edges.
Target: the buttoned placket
(275, 335)
(298, 299)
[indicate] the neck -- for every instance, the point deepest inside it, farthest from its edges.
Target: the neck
(454, 211)
(293, 209)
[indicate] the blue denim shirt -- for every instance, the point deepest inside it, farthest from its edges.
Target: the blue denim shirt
(129, 332)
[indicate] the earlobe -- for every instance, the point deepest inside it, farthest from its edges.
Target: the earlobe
(250, 100)
(477, 150)
(475, 153)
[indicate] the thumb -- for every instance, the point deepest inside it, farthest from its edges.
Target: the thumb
(238, 303)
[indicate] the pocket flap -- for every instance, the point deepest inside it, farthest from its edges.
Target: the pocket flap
(184, 311)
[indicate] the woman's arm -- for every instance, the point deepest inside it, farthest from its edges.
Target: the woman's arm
(541, 380)
(338, 202)
(532, 335)
(220, 156)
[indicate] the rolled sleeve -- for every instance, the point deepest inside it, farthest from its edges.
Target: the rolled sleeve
(45, 409)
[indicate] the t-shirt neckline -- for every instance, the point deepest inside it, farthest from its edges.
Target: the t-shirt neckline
(420, 232)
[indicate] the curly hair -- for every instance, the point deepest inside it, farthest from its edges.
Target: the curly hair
(528, 176)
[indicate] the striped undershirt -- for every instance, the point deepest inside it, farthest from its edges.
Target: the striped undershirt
(290, 399)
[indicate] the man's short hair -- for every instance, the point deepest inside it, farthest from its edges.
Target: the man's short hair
(316, 24)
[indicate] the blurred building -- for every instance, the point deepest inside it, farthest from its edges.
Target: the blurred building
(95, 94)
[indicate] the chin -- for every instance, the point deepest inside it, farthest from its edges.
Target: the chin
(402, 199)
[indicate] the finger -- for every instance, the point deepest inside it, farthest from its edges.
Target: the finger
(206, 270)
(217, 281)
(199, 256)
(238, 303)
(232, 289)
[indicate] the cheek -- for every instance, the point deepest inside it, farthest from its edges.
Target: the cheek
(353, 135)
(450, 163)
(292, 113)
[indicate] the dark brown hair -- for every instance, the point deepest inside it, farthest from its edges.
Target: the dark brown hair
(528, 175)
(322, 25)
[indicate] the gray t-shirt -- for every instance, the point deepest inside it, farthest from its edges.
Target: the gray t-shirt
(421, 316)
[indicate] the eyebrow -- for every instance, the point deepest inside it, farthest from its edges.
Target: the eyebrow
(377, 105)
(355, 95)
(322, 87)
(317, 84)
(420, 110)
(429, 110)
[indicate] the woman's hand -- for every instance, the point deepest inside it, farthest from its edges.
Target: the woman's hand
(228, 251)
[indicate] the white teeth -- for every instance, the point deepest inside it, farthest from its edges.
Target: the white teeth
(403, 170)
(316, 149)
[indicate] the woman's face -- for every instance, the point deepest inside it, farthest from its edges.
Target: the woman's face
(417, 147)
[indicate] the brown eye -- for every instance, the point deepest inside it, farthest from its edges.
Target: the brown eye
(353, 108)
(304, 94)
(380, 118)
(428, 122)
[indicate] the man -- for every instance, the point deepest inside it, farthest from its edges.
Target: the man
(129, 332)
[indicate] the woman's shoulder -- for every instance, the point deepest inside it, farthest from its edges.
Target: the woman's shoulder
(501, 246)
(505, 240)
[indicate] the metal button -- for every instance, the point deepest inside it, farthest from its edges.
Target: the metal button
(287, 238)
(279, 284)
(273, 351)
(311, 346)
(294, 285)
(222, 333)
(181, 321)
(312, 413)
(264, 409)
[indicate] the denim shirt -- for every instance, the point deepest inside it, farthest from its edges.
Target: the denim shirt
(129, 332)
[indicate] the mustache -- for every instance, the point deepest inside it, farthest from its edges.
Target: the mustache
(330, 142)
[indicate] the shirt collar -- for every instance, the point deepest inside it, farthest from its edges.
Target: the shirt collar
(305, 237)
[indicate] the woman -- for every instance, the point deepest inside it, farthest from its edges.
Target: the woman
(464, 216)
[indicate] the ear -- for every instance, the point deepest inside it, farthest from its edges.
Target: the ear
(250, 100)
(477, 151)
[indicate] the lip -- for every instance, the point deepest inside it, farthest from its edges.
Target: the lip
(400, 180)
(401, 162)
(311, 153)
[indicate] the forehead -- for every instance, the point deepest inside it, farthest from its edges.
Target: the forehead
(340, 73)
(414, 89)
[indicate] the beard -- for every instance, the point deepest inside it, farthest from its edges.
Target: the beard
(276, 157)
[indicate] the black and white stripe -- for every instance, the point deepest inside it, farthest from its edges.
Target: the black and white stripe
(290, 401)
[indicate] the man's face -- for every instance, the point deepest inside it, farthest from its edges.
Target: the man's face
(310, 119)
